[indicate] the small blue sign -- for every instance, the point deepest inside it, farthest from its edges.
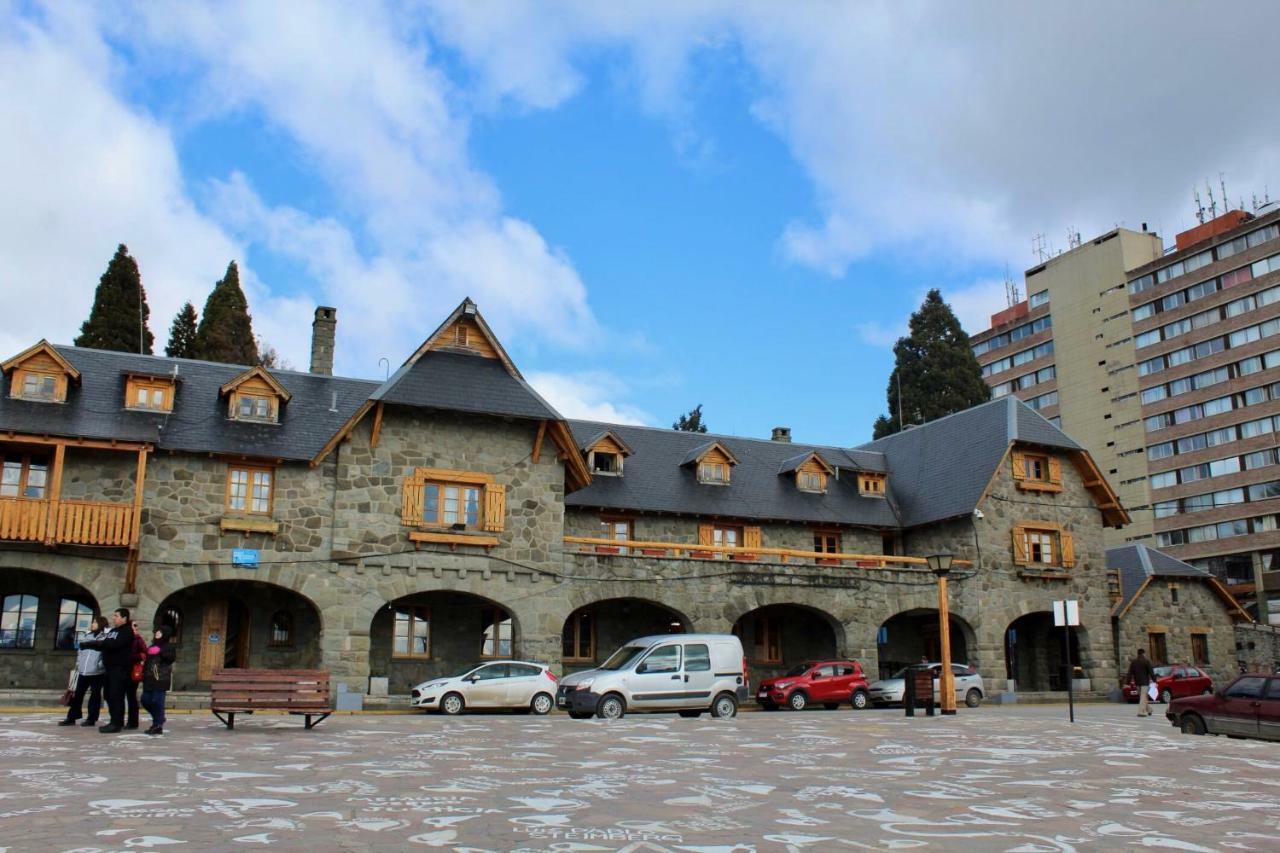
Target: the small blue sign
(247, 557)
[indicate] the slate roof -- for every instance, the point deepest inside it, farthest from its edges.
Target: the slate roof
(1136, 563)
(655, 480)
(199, 422)
(464, 383)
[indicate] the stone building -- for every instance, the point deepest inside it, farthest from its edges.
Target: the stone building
(401, 529)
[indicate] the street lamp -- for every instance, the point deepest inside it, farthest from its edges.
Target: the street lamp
(940, 565)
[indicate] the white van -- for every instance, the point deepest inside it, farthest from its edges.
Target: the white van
(689, 673)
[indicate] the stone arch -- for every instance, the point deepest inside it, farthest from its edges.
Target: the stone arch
(778, 635)
(37, 636)
(908, 635)
(592, 631)
(101, 578)
(1034, 656)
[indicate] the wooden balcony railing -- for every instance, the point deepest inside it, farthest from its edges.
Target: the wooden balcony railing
(685, 550)
(66, 522)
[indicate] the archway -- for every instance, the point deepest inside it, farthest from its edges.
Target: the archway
(906, 637)
(41, 616)
(1033, 653)
(593, 632)
(776, 637)
(429, 634)
(236, 624)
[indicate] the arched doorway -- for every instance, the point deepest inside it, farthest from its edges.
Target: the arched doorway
(238, 624)
(430, 634)
(779, 636)
(906, 637)
(41, 616)
(593, 632)
(1033, 653)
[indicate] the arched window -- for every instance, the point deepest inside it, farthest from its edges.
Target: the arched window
(282, 629)
(73, 622)
(18, 621)
(171, 617)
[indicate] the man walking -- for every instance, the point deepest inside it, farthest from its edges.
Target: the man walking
(117, 657)
(1141, 674)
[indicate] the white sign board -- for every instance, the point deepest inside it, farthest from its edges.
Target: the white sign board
(1066, 613)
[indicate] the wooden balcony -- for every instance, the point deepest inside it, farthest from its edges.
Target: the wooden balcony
(691, 551)
(107, 525)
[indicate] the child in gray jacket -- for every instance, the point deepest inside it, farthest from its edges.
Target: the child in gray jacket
(90, 677)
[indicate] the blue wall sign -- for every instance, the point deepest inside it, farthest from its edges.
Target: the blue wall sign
(247, 557)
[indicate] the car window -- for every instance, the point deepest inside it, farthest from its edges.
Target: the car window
(1162, 671)
(1273, 688)
(960, 669)
(826, 671)
(1247, 688)
(663, 659)
(845, 669)
(697, 658)
(492, 671)
(522, 670)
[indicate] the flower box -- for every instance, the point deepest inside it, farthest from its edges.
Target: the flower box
(654, 552)
(607, 549)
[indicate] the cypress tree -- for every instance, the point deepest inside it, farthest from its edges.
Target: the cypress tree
(691, 422)
(182, 334)
(225, 332)
(118, 319)
(935, 368)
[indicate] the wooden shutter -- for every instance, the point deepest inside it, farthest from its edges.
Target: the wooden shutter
(1019, 546)
(1068, 549)
(751, 537)
(411, 500)
(706, 536)
(1055, 470)
(495, 506)
(1019, 465)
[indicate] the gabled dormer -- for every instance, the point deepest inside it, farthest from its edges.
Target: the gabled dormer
(810, 471)
(712, 462)
(467, 332)
(40, 374)
(255, 396)
(144, 392)
(872, 484)
(606, 453)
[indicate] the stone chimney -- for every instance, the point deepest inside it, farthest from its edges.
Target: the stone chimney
(782, 434)
(324, 330)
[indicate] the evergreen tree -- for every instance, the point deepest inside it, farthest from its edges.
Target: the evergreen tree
(118, 319)
(225, 332)
(936, 370)
(691, 422)
(182, 334)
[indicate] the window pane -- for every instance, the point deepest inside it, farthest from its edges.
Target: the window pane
(18, 622)
(238, 491)
(697, 658)
(451, 497)
(473, 507)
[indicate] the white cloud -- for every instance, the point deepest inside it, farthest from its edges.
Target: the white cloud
(588, 396)
(877, 334)
(974, 304)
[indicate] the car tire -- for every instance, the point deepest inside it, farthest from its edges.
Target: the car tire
(1191, 724)
(973, 698)
(725, 707)
(860, 700)
(452, 704)
(611, 707)
(1166, 696)
(797, 701)
(691, 715)
(542, 704)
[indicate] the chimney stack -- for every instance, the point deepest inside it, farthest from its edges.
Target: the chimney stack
(324, 331)
(782, 434)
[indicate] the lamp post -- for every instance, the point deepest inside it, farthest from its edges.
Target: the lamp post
(940, 565)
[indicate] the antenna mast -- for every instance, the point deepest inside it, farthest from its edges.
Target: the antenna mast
(1195, 194)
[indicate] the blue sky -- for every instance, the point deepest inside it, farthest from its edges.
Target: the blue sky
(655, 205)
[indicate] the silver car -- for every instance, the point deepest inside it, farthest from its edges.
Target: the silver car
(511, 684)
(969, 689)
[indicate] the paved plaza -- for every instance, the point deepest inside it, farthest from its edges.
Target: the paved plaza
(1012, 778)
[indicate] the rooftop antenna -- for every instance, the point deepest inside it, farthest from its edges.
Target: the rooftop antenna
(1222, 182)
(1038, 248)
(1011, 293)
(1073, 238)
(1195, 193)
(1213, 204)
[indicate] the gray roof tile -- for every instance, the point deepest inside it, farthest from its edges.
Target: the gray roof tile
(465, 383)
(1136, 563)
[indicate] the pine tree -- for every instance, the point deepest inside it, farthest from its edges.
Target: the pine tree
(935, 368)
(691, 422)
(118, 319)
(225, 333)
(182, 334)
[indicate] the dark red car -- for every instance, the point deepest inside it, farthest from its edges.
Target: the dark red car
(1174, 682)
(827, 682)
(1249, 707)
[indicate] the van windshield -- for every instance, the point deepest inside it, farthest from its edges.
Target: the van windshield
(623, 657)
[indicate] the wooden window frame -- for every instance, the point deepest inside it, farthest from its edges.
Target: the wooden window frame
(573, 628)
(24, 474)
(1061, 542)
(1158, 660)
(439, 522)
(719, 531)
(595, 455)
(705, 469)
(492, 611)
(415, 615)
(872, 485)
(275, 642)
(823, 546)
(491, 515)
(1047, 479)
(1200, 661)
(250, 471)
(819, 482)
(768, 640)
(139, 383)
(273, 407)
(609, 525)
(19, 389)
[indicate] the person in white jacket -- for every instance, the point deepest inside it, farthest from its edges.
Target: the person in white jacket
(90, 677)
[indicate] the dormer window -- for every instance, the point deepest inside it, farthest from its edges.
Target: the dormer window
(713, 472)
(810, 470)
(1037, 472)
(253, 408)
(255, 396)
(871, 485)
(714, 463)
(460, 336)
(605, 454)
(39, 374)
(606, 463)
(39, 386)
(148, 394)
(811, 481)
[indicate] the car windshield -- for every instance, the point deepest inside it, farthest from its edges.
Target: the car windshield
(622, 657)
(1162, 671)
(466, 669)
(799, 669)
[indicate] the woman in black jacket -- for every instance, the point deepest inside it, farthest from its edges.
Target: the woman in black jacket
(157, 677)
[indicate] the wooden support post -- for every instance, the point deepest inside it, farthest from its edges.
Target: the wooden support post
(55, 492)
(139, 484)
(537, 442)
(946, 678)
(377, 427)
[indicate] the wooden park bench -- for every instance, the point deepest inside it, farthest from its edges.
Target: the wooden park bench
(303, 692)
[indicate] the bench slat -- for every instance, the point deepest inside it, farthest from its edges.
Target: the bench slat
(299, 691)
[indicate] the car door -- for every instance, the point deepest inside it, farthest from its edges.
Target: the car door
(1201, 683)
(1177, 683)
(487, 686)
(658, 680)
(964, 679)
(699, 677)
(521, 683)
(1269, 711)
(822, 685)
(1238, 713)
(846, 674)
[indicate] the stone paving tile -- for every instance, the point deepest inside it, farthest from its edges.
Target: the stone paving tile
(991, 779)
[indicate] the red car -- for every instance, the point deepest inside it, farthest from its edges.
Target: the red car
(829, 682)
(1174, 682)
(1249, 707)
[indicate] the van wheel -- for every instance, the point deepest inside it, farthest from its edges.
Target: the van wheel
(798, 701)
(542, 704)
(1166, 696)
(973, 698)
(611, 707)
(452, 704)
(725, 707)
(692, 715)
(860, 700)
(1192, 724)
(831, 706)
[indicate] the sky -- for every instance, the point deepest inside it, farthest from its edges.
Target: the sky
(655, 205)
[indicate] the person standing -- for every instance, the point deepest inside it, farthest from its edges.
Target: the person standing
(90, 675)
(135, 675)
(1142, 674)
(157, 677)
(116, 646)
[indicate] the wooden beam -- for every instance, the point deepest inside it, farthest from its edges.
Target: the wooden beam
(342, 432)
(377, 426)
(95, 443)
(453, 539)
(55, 488)
(537, 442)
(138, 485)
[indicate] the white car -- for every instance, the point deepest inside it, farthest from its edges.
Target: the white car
(969, 689)
(511, 684)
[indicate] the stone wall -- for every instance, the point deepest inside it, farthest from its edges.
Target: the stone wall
(1199, 610)
(43, 665)
(670, 528)
(1257, 647)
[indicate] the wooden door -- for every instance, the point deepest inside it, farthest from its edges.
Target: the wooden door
(236, 636)
(213, 638)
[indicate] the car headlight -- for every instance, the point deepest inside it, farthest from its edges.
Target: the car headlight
(783, 685)
(583, 685)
